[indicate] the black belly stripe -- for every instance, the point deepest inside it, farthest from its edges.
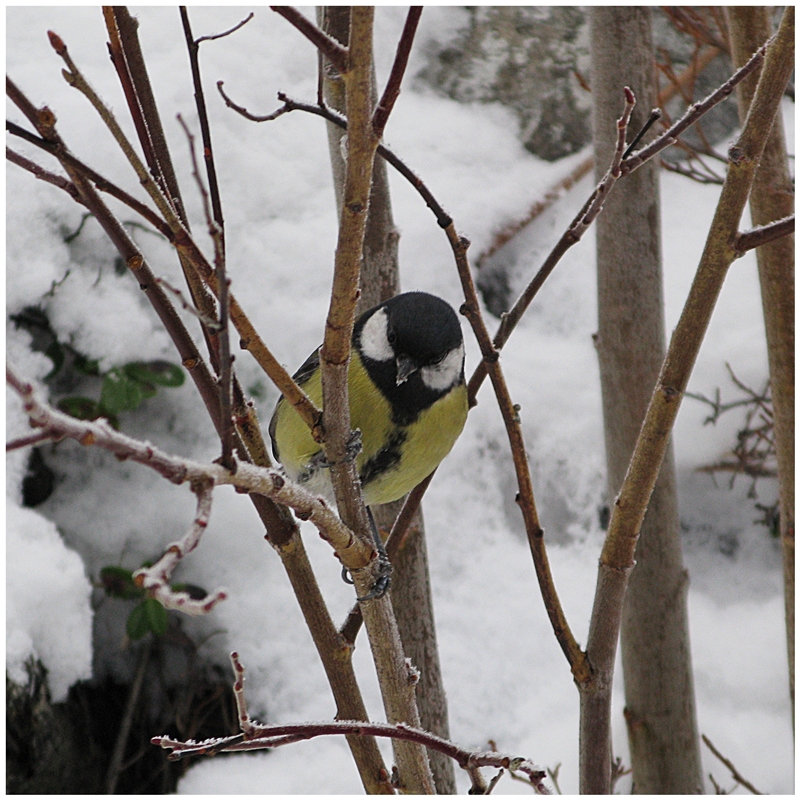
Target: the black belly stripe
(387, 458)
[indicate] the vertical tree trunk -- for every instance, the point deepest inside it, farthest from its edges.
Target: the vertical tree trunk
(659, 693)
(772, 198)
(380, 280)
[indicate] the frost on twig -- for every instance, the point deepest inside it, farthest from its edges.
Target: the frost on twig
(155, 580)
(247, 477)
(261, 737)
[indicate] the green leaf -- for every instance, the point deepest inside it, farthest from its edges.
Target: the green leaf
(194, 591)
(80, 407)
(161, 373)
(55, 352)
(138, 624)
(119, 392)
(148, 616)
(118, 582)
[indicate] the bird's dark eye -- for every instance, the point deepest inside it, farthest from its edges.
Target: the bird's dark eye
(392, 337)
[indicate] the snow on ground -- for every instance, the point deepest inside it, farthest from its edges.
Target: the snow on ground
(504, 674)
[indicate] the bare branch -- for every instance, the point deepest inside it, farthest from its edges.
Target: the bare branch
(525, 498)
(225, 361)
(327, 45)
(42, 174)
(392, 90)
(224, 33)
(442, 217)
(735, 774)
(103, 184)
(695, 111)
(205, 129)
(259, 737)
(764, 234)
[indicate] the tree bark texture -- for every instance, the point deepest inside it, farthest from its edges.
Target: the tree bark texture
(380, 280)
(772, 198)
(656, 657)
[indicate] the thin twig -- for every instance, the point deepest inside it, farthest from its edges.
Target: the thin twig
(735, 774)
(211, 324)
(327, 45)
(155, 579)
(392, 90)
(42, 174)
(103, 184)
(216, 233)
(442, 217)
(576, 658)
(250, 339)
(247, 477)
(235, 28)
(757, 237)
(695, 111)
(205, 129)
(259, 737)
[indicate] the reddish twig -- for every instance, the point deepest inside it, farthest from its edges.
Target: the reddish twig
(392, 90)
(695, 111)
(225, 361)
(205, 129)
(42, 174)
(327, 45)
(756, 237)
(259, 737)
(103, 184)
(228, 32)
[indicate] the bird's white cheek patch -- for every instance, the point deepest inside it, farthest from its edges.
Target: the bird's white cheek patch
(446, 373)
(375, 339)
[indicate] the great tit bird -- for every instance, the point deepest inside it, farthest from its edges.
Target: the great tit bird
(407, 395)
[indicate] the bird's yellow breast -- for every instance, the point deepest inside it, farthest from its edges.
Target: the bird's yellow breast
(393, 458)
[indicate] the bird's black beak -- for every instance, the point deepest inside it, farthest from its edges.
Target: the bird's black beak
(406, 367)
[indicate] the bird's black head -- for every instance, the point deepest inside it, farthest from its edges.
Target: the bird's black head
(413, 349)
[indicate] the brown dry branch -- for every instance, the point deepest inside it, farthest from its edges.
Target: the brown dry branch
(101, 183)
(327, 45)
(573, 234)
(764, 234)
(398, 694)
(42, 174)
(283, 533)
(225, 378)
(735, 774)
(193, 45)
(44, 121)
(471, 309)
(616, 559)
(188, 250)
(132, 71)
(505, 234)
(392, 90)
(259, 737)
(442, 217)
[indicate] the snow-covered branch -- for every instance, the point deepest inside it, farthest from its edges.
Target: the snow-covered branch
(246, 478)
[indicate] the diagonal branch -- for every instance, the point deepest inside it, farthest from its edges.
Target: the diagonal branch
(327, 45)
(764, 234)
(392, 90)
